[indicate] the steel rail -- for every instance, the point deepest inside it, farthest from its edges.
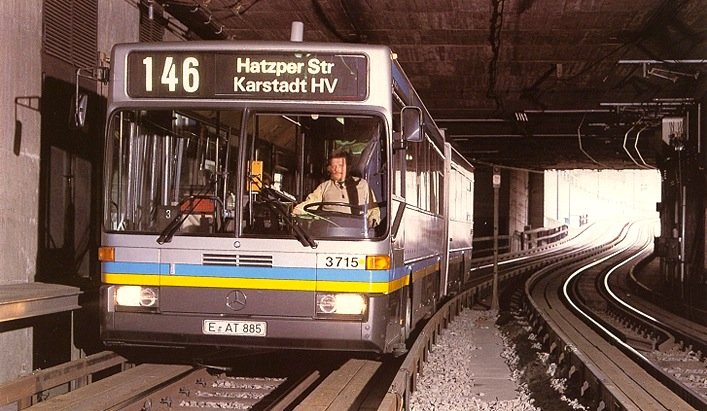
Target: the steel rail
(405, 382)
(600, 374)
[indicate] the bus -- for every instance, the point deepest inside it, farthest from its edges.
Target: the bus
(210, 147)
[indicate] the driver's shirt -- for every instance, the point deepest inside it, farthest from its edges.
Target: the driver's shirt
(331, 191)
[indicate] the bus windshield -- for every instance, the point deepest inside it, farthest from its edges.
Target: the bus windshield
(226, 173)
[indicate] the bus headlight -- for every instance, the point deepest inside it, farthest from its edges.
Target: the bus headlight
(136, 296)
(330, 304)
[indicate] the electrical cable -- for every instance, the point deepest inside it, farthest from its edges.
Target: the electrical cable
(635, 146)
(579, 140)
(626, 150)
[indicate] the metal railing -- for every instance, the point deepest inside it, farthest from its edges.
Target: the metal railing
(518, 241)
(539, 237)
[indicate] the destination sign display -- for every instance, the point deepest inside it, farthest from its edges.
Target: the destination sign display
(247, 75)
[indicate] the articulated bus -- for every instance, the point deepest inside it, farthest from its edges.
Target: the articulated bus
(209, 148)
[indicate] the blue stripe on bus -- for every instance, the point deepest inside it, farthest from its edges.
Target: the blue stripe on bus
(401, 81)
(399, 272)
(278, 273)
(284, 273)
(368, 276)
(134, 268)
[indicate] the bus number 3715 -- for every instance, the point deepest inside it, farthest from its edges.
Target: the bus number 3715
(343, 262)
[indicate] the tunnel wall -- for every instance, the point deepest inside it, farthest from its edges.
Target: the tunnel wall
(683, 216)
(48, 221)
(19, 163)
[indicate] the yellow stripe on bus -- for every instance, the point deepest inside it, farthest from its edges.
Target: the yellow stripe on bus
(255, 283)
(131, 279)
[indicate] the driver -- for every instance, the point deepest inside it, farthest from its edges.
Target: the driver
(343, 189)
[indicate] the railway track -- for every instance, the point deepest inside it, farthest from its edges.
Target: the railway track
(318, 381)
(203, 389)
(512, 267)
(672, 350)
(600, 351)
(353, 383)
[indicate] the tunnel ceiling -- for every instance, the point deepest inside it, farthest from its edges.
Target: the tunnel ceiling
(523, 83)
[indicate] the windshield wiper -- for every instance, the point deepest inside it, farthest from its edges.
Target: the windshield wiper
(271, 198)
(171, 229)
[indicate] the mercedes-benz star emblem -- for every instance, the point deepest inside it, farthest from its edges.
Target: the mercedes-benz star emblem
(235, 300)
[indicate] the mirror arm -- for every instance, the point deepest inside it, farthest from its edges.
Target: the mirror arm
(398, 142)
(81, 100)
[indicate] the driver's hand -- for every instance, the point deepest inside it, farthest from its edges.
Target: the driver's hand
(372, 222)
(297, 212)
(304, 215)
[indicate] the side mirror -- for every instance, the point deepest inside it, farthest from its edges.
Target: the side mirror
(411, 124)
(80, 107)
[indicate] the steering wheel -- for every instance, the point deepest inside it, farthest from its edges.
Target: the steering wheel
(355, 209)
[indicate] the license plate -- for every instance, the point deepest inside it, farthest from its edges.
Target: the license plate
(230, 327)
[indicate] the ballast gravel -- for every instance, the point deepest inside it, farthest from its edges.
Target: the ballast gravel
(448, 381)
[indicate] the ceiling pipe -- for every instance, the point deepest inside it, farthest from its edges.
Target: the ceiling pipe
(699, 61)
(658, 103)
(471, 136)
(568, 111)
(471, 120)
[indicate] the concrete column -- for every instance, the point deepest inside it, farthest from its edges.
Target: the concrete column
(536, 200)
(518, 205)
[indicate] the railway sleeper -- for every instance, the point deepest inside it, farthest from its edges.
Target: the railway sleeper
(641, 344)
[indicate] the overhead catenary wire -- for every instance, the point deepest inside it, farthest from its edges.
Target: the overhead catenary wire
(626, 149)
(635, 146)
(494, 165)
(579, 141)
